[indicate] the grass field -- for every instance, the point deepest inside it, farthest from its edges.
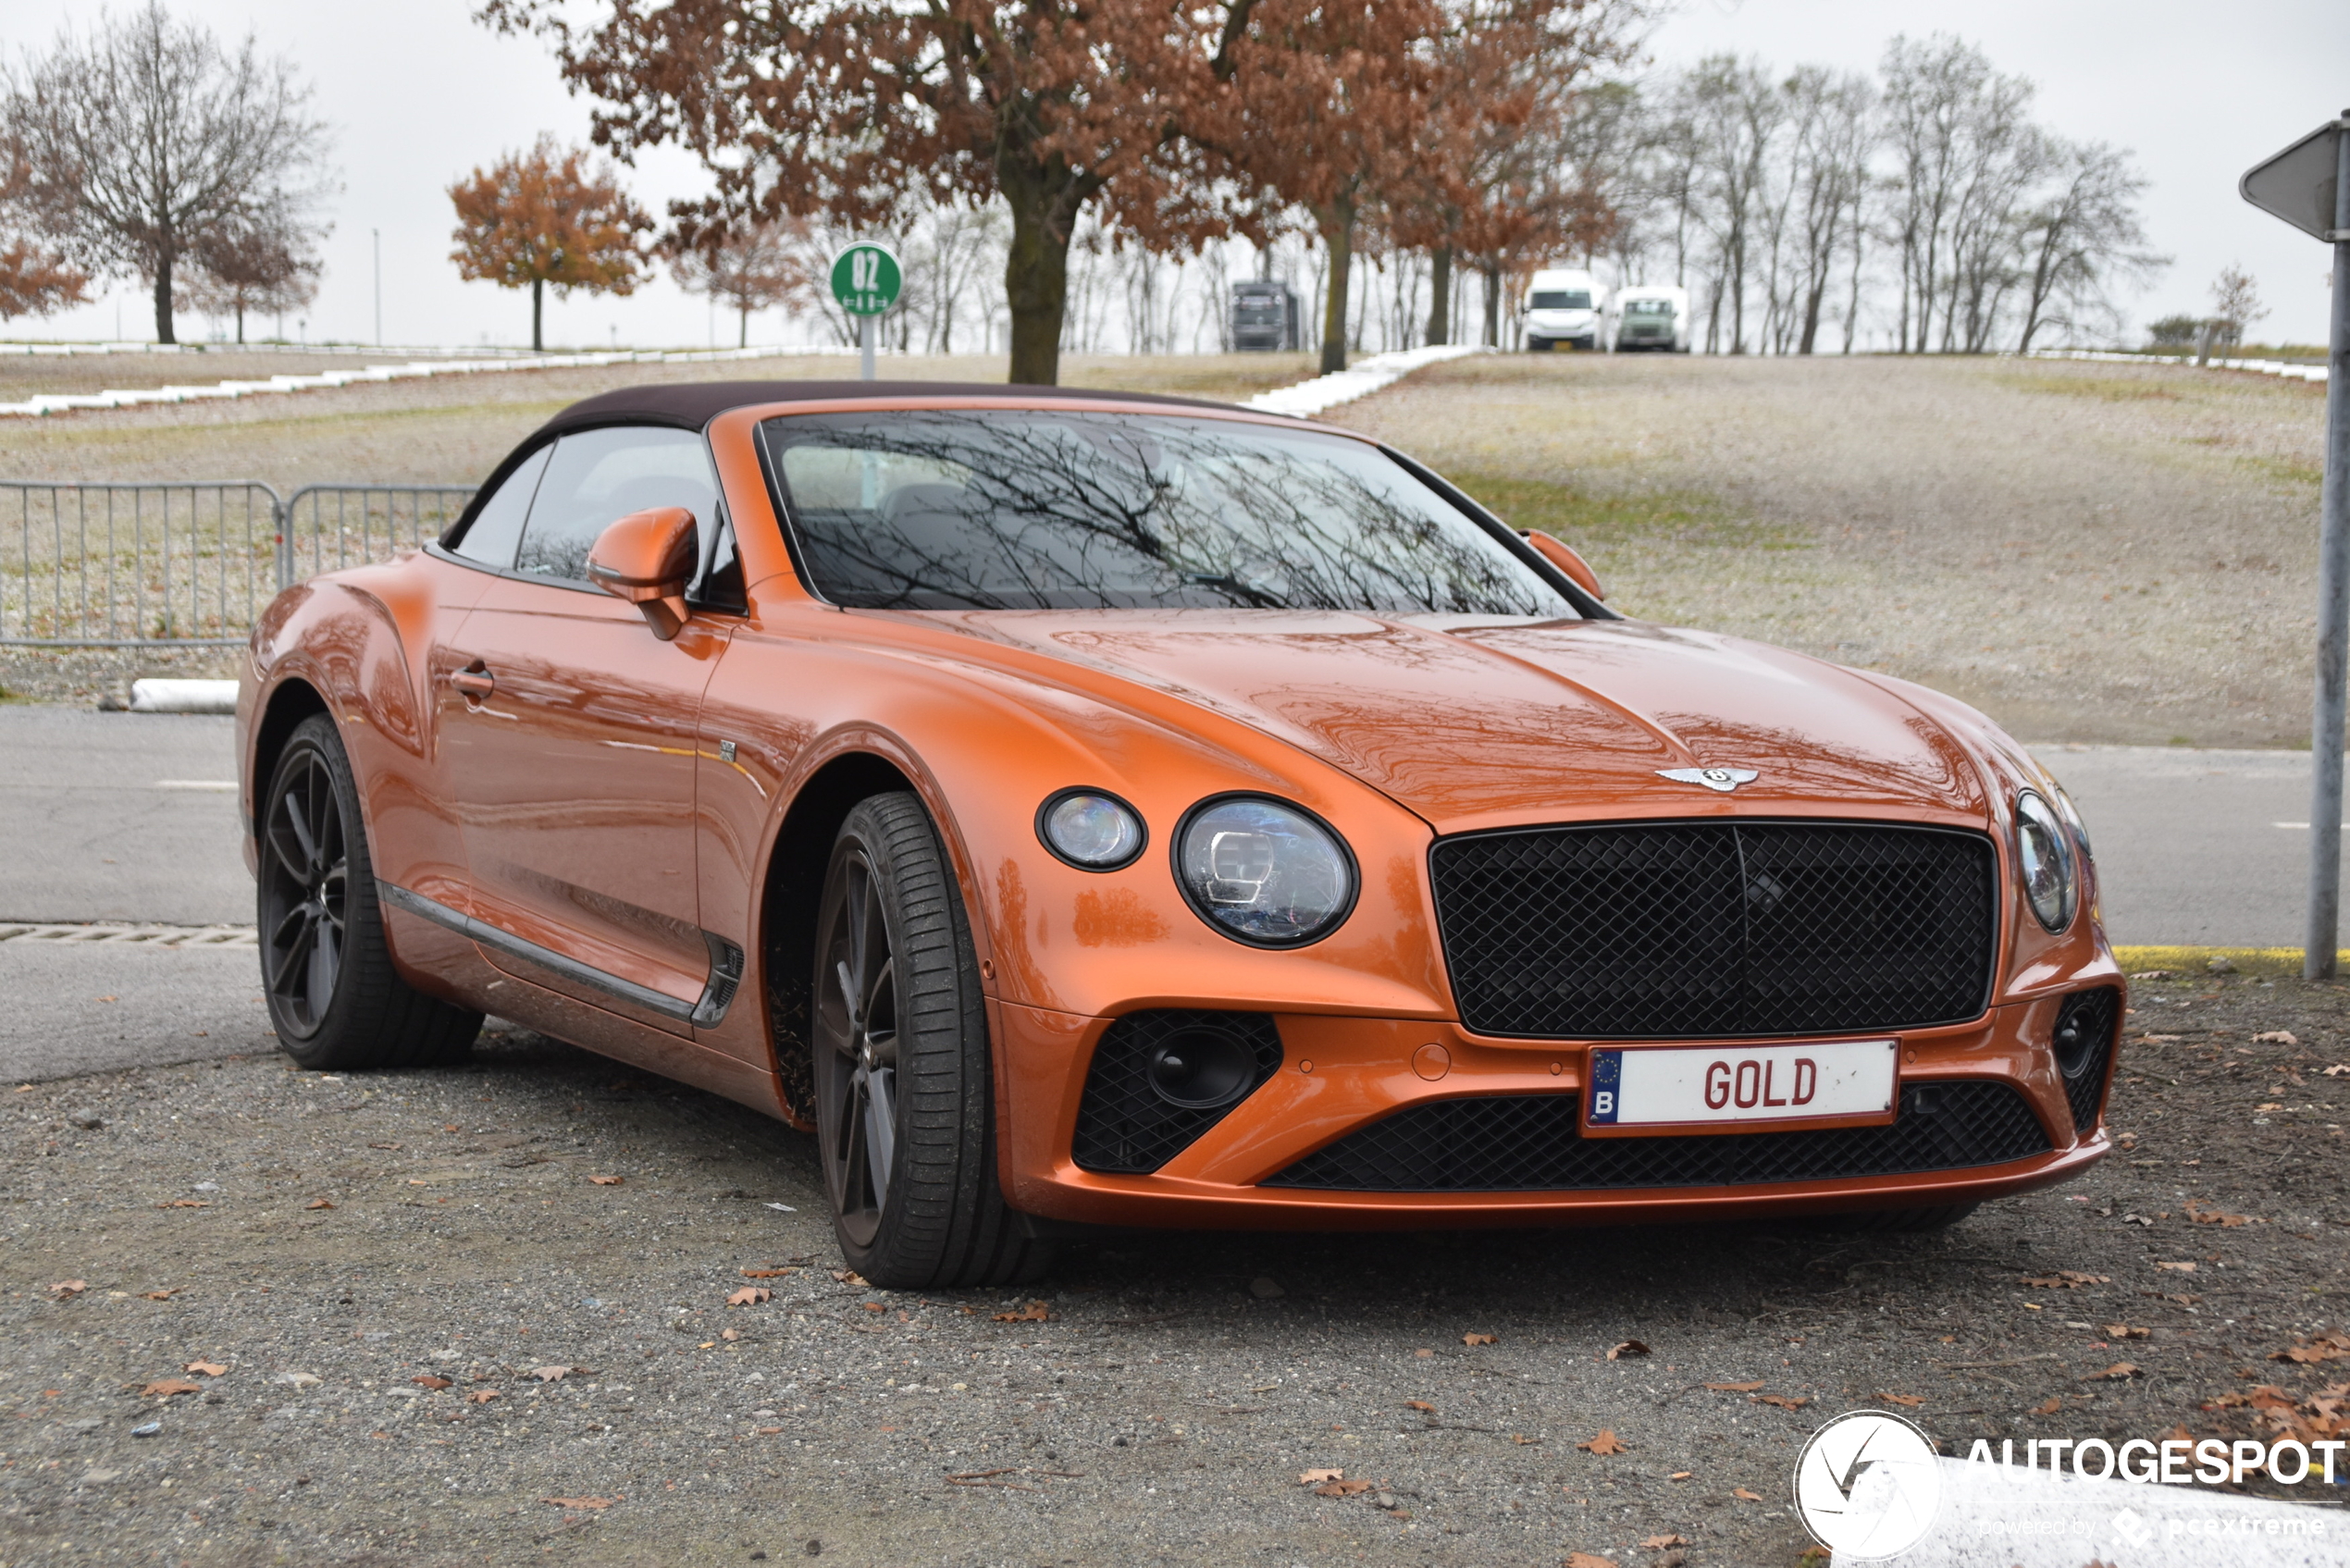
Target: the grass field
(2091, 552)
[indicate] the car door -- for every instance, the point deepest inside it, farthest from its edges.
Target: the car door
(571, 744)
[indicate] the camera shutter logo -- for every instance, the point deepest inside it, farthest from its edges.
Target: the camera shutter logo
(1868, 1485)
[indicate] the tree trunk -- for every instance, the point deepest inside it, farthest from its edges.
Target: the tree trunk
(1336, 221)
(537, 312)
(742, 331)
(1044, 208)
(163, 299)
(1440, 296)
(1492, 271)
(240, 323)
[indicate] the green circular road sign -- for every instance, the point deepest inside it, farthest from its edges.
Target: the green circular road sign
(866, 278)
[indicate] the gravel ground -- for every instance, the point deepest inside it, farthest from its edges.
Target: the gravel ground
(2090, 552)
(326, 1250)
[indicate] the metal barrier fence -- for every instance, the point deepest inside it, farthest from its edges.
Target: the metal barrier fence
(154, 565)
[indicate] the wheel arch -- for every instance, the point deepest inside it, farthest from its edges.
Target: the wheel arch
(791, 890)
(290, 702)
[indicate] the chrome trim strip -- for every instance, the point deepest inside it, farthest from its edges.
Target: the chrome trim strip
(702, 1014)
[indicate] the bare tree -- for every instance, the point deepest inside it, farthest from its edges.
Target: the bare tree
(2082, 238)
(144, 137)
(2235, 304)
(265, 263)
(1835, 135)
(752, 268)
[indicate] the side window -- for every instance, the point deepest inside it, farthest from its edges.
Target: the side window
(497, 527)
(598, 477)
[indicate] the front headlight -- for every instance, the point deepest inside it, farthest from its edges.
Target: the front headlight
(2043, 860)
(1091, 829)
(1262, 872)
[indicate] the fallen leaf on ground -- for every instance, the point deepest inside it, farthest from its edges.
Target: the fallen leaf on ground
(2176, 1267)
(1661, 1543)
(1422, 1355)
(580, 1501)
(875, 1306)
(1341, 1488)
(2339, 1069)
(65, 1287)
(1522, 1441)
(207, 1368)
(162, 1295)
(728, 1334)
(2114, 1374)
(430, 1381)
(1479, 1339)
(1604, 1443)
(2276, 1037)
(2261, 1109)
(609, 1181)
(2204, 1214)
(1784, 1402)
(2065, 1280)
(2055, 1403)
(481, 1396)
(551, 1374)
(1418, 1404)
(317, 1204)
(1315, 1477)
(749, 1295)
(185, 1204)
(1035, 1311)
(1588, 1560)
(167, 1386)
(765, 1273)
(2123, 1331)
(2324, 1347)
(1735, 1388)
(1629, 1347)
(848, 1276)
(1744, 1496)
(1680, 1475)
(1902, 1398)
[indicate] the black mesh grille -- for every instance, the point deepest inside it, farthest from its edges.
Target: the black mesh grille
(1662, 931)
(1530, 1142)
(1122, 1128)
(2095, 1014)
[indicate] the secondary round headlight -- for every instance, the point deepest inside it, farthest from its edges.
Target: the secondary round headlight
(2043, 857)
(1090, 829)
(1264, 873)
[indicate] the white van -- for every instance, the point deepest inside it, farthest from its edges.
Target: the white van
(1649, 315)
(1563, 306)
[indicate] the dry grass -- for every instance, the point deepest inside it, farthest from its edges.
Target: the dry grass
(2089, 552)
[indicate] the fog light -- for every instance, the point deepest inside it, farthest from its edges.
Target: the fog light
(1200, 1069)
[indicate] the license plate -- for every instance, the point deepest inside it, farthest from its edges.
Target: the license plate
(1698, 1087)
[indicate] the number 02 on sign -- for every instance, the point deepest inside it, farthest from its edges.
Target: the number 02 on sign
(866, 278)
(1698, 1088)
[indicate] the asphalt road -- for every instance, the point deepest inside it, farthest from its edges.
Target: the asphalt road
(129, 817)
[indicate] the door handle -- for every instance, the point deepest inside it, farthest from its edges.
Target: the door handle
(477, 683)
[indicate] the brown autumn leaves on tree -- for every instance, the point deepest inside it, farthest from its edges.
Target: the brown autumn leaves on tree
(1177, 123)
(753, 267)
(545, 219)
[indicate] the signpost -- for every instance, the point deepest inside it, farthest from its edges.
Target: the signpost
(866, 279)
(2309, 186)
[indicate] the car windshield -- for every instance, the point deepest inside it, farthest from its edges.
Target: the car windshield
(1647, 307)
(1028, 509)
(1559, 299)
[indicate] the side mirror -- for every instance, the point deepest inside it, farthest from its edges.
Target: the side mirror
(1560, 554)
(646, 558)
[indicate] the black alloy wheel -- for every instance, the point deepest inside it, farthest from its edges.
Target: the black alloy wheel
(905, 1106)
(334, 996)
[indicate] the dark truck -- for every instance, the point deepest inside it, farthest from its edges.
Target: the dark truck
(1264, 317)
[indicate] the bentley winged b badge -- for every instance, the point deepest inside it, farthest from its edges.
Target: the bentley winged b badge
(1723, 780)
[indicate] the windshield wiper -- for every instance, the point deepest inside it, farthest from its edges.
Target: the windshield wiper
(1262, 597)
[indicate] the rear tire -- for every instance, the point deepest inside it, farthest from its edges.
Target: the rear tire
(905, 1096)
(326, 973)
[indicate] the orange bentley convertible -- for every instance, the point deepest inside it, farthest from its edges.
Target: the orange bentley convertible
(1090, 809)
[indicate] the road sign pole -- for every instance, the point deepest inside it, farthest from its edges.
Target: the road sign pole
(865, 347)
(2333, 605)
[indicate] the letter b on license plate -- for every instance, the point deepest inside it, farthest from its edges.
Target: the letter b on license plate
(1695, 1087)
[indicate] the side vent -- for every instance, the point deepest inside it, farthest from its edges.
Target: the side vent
(1161, 1079)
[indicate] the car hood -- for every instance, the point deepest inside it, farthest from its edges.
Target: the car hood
(1486, 722)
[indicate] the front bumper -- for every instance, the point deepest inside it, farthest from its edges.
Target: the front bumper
(1338, 1074)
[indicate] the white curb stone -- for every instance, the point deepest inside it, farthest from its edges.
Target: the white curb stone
(1361, 379)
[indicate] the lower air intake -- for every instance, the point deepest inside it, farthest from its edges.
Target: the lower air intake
(1127, 1124)
(2085, 1030)
(1531, 1142)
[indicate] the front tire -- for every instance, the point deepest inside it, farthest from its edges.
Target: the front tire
(326, 973)
(904, 1101)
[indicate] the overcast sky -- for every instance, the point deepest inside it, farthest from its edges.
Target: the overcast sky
(419, 94)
